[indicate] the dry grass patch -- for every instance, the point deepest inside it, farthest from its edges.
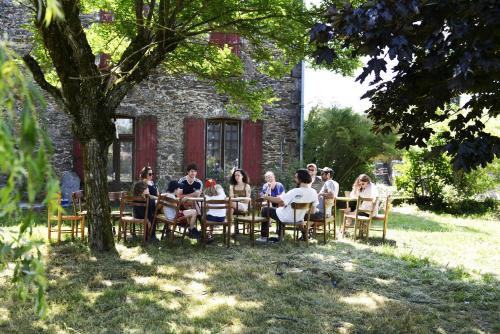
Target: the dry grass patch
(406, 285)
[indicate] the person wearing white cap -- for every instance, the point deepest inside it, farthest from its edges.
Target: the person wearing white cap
(330, 188)
(316, 183)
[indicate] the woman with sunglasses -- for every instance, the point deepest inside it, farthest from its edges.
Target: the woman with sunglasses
(146, 175)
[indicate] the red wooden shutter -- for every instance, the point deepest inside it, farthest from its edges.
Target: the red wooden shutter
(233, 40)
(222, 38)
(78, 158)
(145, 143)
(252, 150)
(104, 59)
(106, 16)
(217, 38)
(194, 144)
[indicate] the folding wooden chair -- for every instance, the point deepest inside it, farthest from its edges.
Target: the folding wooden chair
(254, 218)
(60, 217)
(170, 225)
(127, 204)
(362, 217)
(115, 198)
(79, 208)
(325, 221)
(298, 222)
(226, 224)
(237, 214)
(384, 217)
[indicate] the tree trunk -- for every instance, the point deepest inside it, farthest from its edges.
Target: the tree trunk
(95, 158)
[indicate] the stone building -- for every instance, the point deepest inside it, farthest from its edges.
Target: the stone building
(170, 121)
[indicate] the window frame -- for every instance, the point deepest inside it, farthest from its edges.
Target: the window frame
(222, 139)
(116, 182)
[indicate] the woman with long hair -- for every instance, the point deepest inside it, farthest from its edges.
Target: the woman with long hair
(146, 176)
(239, 187)
(363, 187)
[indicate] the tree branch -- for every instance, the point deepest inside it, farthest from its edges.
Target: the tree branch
(39, 77)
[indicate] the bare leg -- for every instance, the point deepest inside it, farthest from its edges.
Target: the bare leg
(191, 217)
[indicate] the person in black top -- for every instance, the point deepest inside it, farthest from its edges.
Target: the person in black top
(147, 176)
(141, 189)
(190, 186)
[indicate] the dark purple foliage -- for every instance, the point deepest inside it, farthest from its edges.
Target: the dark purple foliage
(444, 49)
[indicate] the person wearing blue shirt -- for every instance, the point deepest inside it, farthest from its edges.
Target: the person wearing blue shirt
(271, 187)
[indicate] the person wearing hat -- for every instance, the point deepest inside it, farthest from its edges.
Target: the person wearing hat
(190, 214)
(330, 188)
(316, 183)
(214, 191)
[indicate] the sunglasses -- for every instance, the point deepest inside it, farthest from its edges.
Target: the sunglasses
(311, 170)
(150, 174)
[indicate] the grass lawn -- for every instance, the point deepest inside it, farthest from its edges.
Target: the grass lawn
(434, 274)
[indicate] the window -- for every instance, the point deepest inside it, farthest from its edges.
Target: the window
(223, 147)
(121, 153)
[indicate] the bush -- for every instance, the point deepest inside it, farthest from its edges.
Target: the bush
(427, 175)
(342, 139)
(460, 207)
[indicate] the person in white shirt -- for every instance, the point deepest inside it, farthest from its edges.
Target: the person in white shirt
(330, 189)
(363, 187)
(189, 214)
(214, 191)
(284, 213)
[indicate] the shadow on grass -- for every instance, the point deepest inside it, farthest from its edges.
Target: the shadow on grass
(181, 287)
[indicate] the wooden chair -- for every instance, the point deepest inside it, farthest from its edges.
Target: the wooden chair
(127, 203)
(115, 198)
(226, 224)
(298, 222)
(240, 214)
(361, 222)
(170, 224)
(60, 217)
(79, 208)
(325, 221)
(384, 217)
(252, 219)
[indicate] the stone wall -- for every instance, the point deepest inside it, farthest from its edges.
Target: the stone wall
(13, 17)
(172, 99)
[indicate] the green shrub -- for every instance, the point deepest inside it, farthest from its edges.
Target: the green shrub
(427, 176)
(341, 139)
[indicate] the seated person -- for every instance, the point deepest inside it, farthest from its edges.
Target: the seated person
(141, 189)
(316, 182)
(302, 194)
(239, 187)
(330, 189)
(190, 187)
(189, 215)
(214, 191)
(146, 175)
(271, 187)
(362, 187)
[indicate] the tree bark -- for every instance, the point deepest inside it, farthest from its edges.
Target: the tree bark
(95, 156)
